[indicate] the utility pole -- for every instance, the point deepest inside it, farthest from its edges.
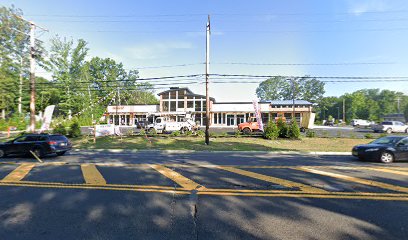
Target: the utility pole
(344, 110)
(398, 104)
(293, 98)
(207, 78)
(32, 71)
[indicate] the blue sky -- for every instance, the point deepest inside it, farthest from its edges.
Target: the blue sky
(150, 33)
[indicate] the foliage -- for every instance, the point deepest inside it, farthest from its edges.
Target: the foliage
(175, 133)
(189, 133)
(142, 132)
(283, 128)
(60, 129)
(368, 136)
(152, 132)
(271, 131)
(279, 88)
(200, 133)
(310, 133)
(294, 130)
(74, 130)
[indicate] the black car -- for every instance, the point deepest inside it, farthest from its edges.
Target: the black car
(39, 144)
(385, 149)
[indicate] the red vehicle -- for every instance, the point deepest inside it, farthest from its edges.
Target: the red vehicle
(250, 126)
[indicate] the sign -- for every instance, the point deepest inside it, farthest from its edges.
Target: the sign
(47, 117)
(104, 130)
(258, 114)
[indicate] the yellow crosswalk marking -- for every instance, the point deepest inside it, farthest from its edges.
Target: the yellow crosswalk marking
(354, 179)
(186, 183)
(279, 181)
(19, 173)
(92, 175)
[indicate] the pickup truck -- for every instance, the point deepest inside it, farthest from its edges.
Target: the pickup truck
(164, 124)
(390, 127)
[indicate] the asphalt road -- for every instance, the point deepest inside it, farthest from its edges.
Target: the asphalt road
(168, 195)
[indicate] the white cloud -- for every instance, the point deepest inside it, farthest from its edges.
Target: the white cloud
(156, 50)
(359, 7)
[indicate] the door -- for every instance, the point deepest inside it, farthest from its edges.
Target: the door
(230, 120)
(240, 118)
(402, 149)
(22, 144)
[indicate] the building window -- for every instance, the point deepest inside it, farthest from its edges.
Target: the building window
(190, 104)
(181, 94)
(215, 118)
(265, 117)
(180, 104)
(173, 95)
(198, 106)
(172, 106)
(165, 106)
(198, 118)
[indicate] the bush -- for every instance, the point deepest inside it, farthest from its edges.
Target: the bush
(189, 133)
(368, 136)
(142, 132)
(283, 128)
(237, 133)
(294, 130)
(271, 131)
(175, 133)
(60, 129)
(75, 130)
(383, 135)
(310, 134)
(200, 133)
(152, 132)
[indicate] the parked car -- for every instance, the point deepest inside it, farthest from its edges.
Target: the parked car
(361, 123)
(39, 144)
(386, 149)
(390, 127)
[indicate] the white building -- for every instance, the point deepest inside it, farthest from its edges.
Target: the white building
(177, 102)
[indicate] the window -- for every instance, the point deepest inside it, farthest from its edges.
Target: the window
(21, 139)
(181, 94)
(190, 104)
(158, 120)
(172, 106)
(173, 95)
(198, 106)
(215, 118)
(180, 104)
(165, 106)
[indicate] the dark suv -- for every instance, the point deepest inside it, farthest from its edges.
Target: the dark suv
(39, 144)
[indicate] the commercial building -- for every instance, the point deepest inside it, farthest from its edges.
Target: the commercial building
(177, 102)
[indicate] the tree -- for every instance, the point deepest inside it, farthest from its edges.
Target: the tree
(280, 88)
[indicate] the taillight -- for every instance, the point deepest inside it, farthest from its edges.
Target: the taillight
(52, 143)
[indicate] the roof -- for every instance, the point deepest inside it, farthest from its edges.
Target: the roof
(289, 102)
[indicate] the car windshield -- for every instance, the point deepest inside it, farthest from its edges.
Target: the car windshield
(386, 140)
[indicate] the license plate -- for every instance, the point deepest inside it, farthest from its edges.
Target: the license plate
(63, 144)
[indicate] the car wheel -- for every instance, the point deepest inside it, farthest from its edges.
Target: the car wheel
(386, 157)
(2, 153)
(246, 131)
(389, 130)
(38, 152)
(61, 153)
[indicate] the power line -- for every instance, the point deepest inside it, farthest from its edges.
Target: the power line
(303, 64)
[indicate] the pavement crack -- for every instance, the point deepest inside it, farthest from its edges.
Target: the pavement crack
(194, 211)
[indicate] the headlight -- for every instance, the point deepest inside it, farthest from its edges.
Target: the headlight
(371, 150)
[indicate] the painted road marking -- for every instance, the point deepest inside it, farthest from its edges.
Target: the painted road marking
(354, 179)
(19, 173)
(92, 175)
(295, 194)
(389, 171)
(279, 181)
(186, 183)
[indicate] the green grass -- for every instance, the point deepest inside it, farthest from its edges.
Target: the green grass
(219, 144)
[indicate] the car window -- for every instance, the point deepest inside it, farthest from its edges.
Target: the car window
(386, 140)
(21, 139)
(404, 141)
(386, 123)
(58, 138)
(42, 138)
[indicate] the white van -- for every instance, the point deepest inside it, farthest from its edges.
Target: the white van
(361, 123)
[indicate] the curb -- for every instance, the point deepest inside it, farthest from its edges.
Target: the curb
(194, 151)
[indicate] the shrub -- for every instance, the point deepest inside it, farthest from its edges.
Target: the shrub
(200, 133)
(271, 131)
(294, 130)
(152, 132)
(383, 135)
(283, 128)
(142, 132)
(189, 133)
(237, 133)
(60, 129)
(310, 133)
(175, 133)
(75, 130)
(368, 136)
